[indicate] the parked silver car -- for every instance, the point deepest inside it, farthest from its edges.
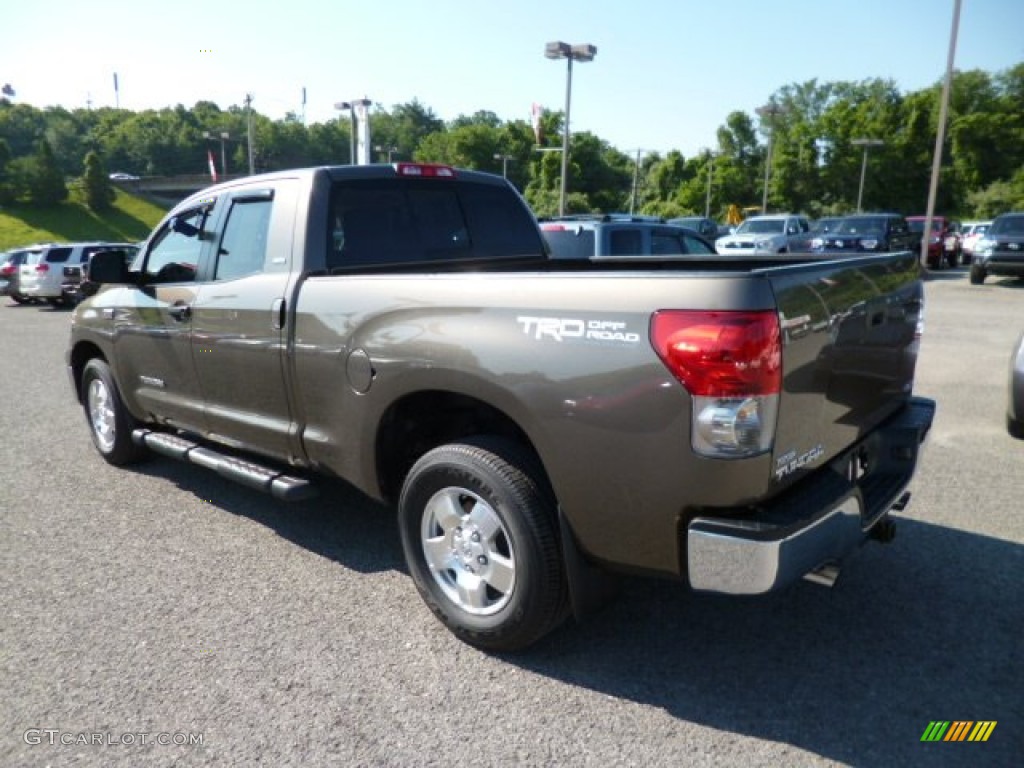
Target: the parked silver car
(10, 271)
(43, 277)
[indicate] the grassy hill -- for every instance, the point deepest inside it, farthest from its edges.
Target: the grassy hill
(129, 220)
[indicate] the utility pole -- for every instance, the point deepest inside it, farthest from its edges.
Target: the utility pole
(711, 170)
(248, 115)
(768, 113)
(636, 174)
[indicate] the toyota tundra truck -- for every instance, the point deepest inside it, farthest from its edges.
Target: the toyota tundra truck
(536, 423)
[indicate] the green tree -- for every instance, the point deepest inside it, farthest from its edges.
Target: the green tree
(46, 185)
(7, 190)
(99, 194)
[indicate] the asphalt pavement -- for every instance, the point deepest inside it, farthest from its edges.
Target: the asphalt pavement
(163, 616)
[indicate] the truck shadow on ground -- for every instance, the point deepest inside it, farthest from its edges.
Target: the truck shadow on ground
(341, 524)
(926, 628)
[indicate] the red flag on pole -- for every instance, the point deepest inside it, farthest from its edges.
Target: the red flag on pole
(213, 168)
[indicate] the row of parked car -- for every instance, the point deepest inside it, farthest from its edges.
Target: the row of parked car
(54, 273)
(993, 247)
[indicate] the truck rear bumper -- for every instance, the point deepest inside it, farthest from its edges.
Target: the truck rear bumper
(818, 522)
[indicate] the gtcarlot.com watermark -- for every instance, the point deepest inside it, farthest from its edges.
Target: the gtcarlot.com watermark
(56, 737)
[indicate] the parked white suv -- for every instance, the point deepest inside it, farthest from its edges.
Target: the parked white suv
(41, 277)
(761, 235)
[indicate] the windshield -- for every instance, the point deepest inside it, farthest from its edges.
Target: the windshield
(860, 225)
(761, 227)
(1008, 225)
(824, 225)
(917, 225)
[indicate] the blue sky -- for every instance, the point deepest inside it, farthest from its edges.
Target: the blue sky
(666, 75)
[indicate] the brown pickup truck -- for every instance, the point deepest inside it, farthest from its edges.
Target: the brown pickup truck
(537, 422)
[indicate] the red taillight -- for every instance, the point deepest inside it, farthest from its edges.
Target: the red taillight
(425, 170)
(43, 267)
(720, 354)
(553, 227)
(7, 269)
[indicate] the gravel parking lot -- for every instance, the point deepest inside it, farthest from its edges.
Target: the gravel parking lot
(163, 616)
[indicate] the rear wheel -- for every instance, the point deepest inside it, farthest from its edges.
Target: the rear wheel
(480, 537)
(977, 275)
(110, 422)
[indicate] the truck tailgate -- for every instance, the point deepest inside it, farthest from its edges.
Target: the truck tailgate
(851, 331)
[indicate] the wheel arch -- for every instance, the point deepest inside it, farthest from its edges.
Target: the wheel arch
(423, 420)
(81, 354)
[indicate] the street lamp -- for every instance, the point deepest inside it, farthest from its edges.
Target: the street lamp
(351, 107)
(504, 163)
(769, 111)
(866, 143)
(582, 52)
(224, 136)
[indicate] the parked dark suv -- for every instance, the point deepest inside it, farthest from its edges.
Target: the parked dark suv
(1001, 250)
(871, 233)
(619, 235)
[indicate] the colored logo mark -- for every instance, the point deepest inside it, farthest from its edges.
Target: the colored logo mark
(958, 730)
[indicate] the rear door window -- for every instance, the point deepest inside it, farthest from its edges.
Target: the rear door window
(243, 248)
(625, 242)
(57, 255)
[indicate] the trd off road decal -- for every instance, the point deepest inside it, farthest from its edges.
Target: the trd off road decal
(570, 328)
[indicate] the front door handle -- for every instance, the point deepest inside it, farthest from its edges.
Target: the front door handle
(180, 311)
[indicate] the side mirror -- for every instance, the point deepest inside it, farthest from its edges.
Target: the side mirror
(108, 267)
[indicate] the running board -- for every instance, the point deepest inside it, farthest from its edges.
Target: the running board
(250, 474)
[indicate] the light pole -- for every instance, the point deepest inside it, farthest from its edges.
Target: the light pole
(580, 52)
(351, 107)
(866, 143)
(504, 163)
(769, 111)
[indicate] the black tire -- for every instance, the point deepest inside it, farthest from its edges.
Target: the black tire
(19, 299)
(1015, 428)
(110, 423)
(977, 275)
(480, 536)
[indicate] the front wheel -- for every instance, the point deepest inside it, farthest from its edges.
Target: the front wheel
(977, 275)
(110, 422)
(1015, 428)
(480, 536)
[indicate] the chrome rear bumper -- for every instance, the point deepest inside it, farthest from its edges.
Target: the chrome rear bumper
(818, 522)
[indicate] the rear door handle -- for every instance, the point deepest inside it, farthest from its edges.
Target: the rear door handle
(180, 312)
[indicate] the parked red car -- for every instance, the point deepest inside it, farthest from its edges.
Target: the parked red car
(944, 246)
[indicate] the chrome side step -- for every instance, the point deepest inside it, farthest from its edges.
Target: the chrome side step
(248, 473)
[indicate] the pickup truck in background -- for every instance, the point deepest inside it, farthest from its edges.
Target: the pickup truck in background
(537, 423)
(761, 235)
